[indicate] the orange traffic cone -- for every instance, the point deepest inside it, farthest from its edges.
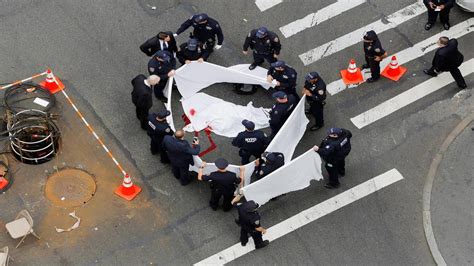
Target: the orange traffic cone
(393, 71)
(128, 190)
(3, 182)
(52, 83)
(352, 75)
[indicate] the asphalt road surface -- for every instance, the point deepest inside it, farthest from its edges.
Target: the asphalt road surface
(93, 47)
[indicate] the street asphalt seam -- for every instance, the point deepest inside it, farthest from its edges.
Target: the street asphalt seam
(427, 226)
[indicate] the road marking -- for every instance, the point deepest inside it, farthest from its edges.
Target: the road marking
(354, 37)
(320, 16)
(307, 216)
(267, 4)
(415, 51)
(407, 97)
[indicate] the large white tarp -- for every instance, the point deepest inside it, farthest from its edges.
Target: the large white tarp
(294, 175)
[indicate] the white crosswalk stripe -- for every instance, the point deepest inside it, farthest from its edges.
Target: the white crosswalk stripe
(267, 4)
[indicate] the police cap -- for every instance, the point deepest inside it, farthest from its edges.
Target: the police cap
(312, 75)
(279, 63)
(250, 206)
(221, 163)
(271, 157)
(192, 44)
(163, 55)
(200, 17)
(248, 124)
(261, 32)
(335, 130)
(279, 95)
(163, 113)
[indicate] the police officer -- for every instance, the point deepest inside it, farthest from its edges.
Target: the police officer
(374, 53)
(447, 58)
(223, 183)
(438, 6)
(192, 51)
(205, 30)
(268, 163)
(158, 128)
(281, 110)
(251, 142)
(265, 45)
(285, 77)
(249, 222)
(141, 96)
(315, 91)
(163, 41)
(334, 149)
(180, 154)
(161, 66)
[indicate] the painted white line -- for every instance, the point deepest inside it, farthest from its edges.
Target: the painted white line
(307, 216)
(267, 4)
(355, 36)
(407, 97)
(320, 16)
(415, 51)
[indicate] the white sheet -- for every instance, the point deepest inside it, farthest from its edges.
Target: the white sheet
(293, 176)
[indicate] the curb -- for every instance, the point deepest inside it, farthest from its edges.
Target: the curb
(427, 226)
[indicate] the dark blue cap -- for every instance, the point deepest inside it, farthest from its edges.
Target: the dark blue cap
(279, 95)
(165, 55)
(248, 124)
(192, 44)
(200, 17)
(250, 206)
(335, 130)
(271, 157)
(221, 163)
(370, 36)
(261, 32)
(279, 63)
(312, 75)
(163, 113)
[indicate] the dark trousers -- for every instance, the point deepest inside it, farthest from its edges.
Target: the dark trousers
(216, 195)
(244, 237)
(155, 147)
(245, 156)
(142, 115)
(275, 128)
(374, 67)
(317, 110)
(342, 167)
(181, 173)
(443, 15)
(158, 88)
(258, 59)
(457, 76)
(333, 169)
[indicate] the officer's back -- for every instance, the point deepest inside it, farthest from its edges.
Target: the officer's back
(179, 150)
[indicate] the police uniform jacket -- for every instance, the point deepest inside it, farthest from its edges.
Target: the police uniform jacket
(204, 33)
(281, 111)
(224, 182)
(336, 149)
(447, 3)
(287, 77)
(448, 57)
(248, 220)
(318, 91)
(180, 151)
(270, 44)
(157, 130)
(373, 49)
(251, 141)
(265, 168)
(159, 68)
(153, 45)
(141, 93)
(185, 54)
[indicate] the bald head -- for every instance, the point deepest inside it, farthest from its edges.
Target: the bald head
(179, 134)
(153, 80)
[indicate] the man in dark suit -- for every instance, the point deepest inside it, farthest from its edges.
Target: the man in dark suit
(163, 41)
(180, 153)
(141, 96)
(448, 58)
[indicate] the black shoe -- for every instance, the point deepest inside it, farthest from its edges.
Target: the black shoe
(428, 26)
(315, 127)
(264, 244)
(446, 26)
(462, 86)
(252, 66)
(329, 186)
(370, 80)
(243, 244)
(364, 66)
(430, 72)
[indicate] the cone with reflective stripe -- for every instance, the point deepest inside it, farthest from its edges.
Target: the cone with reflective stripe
(393, 71)
(352, 75)
(128, 190)
(52, 83)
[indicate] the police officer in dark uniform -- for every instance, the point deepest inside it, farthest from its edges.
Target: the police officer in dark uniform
(223, 183)
(438, 6)
(205, 30)
(334, 149)
(192, 51)
(285, 77)
(315, 91)
(265, 45)
(374, 53)
(158, 128)
(251, 142)
(447, 58)
(249, 222)
(268, 163)
(141, 96)
(163, 41)
(180, 154)
(281, 110)
(161, 66)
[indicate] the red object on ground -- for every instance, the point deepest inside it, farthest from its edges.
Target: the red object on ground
(3, 182)
(213, 145)
(393, 71)
(352, 74)
(52, 83)
(128, 190)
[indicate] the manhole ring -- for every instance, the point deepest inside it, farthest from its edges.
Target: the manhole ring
(70, 188)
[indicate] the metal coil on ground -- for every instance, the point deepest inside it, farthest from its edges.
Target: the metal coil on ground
(28, 96)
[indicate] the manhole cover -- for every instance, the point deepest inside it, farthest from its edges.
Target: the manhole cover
(70, 188)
